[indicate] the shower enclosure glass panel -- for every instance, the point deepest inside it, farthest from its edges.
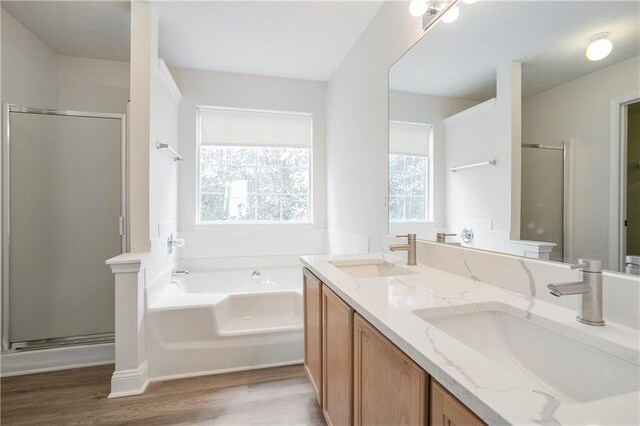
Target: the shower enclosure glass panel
(65, 179)
(542, 211)
(633, 181)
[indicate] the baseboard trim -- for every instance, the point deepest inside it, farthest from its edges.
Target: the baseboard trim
(18, 363)
(130, 382)
(225, 370)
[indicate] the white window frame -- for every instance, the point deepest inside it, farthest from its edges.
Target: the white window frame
(430, 175)
(252, 223)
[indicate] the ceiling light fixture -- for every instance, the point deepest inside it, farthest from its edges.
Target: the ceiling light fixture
(451, 15)
(469, 1)
(599, 48)
(419, 8)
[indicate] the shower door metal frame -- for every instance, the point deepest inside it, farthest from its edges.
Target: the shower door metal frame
(6, 197)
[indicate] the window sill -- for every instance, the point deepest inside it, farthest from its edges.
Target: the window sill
(233, 226)
(412, 222)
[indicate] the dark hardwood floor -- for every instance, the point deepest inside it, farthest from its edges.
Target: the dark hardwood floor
(273, 396)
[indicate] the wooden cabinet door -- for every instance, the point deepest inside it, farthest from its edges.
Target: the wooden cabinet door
(337, 359)
(446, 410)
(389, 388)
(312, 290)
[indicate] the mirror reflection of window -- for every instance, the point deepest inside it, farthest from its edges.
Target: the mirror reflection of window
(409, 174)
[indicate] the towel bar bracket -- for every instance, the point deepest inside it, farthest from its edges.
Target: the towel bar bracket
(176, 156)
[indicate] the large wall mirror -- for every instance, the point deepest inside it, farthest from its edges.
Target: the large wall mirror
(516, 128)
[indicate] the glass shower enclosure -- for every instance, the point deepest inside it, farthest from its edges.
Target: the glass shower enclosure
(543, 196)
(63, 203)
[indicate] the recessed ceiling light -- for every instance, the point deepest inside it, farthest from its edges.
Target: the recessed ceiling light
(599, 48)
(451, 15)
(469, 1)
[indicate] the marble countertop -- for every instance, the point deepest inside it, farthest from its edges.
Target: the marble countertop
(492, 392)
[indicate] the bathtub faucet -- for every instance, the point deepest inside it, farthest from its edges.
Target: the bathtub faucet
(179, 273)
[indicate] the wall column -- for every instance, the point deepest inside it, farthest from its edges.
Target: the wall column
(509, 88)
(144, 32)
(131, 375)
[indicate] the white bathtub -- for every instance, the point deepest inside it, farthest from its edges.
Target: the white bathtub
(241, 280)
(218, 321)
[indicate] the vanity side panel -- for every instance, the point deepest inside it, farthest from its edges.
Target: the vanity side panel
(312, 294)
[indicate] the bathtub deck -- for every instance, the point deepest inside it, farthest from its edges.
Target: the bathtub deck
(270, 396)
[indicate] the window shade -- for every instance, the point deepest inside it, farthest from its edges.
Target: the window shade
(411, 139)
(254, 128)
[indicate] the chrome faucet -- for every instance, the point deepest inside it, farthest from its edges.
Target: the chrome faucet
(179, 273)
(590, 289)
(410, 248)
(172, 243)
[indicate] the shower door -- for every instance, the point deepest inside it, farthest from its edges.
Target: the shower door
(542, 201)
(63, 218)
(632, 183)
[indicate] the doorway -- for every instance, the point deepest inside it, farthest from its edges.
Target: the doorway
(631, 191)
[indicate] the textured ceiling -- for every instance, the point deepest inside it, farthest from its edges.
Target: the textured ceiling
(549, 38)
(92, 29)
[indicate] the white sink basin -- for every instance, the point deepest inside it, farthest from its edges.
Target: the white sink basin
(539, 350)
(370, 268)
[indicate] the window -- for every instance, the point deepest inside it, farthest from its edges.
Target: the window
(255, 166)
(409, 172)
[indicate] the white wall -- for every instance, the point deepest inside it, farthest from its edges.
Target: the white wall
(153, 174)
(416, 108)
(33, 75)
(163, 170)
(580, 110)
(247, 91)
(29, 67)
(357, 132)
(88, 84)
(473, 136)
(482, 197)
